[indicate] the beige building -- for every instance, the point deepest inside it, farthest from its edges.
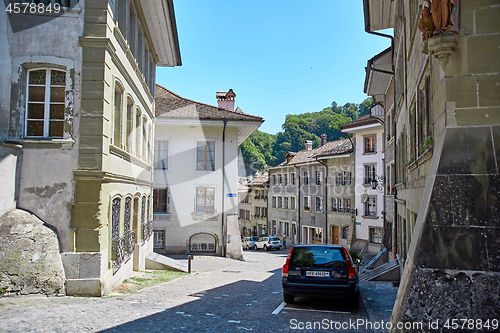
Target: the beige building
(252, 197)
(447, 134)
(196, 173)
(78, 122)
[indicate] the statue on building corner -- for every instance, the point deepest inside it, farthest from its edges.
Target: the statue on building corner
(426, 23)
(441, 13)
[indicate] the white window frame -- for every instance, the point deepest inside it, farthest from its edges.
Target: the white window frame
(161, 161)
(307, 178)
(46, 102)
(370, 206)
(157, 196)
(207, 187)
(308, 199)
(370, 147)
(319, 177)
(206, 166)
(319, 205)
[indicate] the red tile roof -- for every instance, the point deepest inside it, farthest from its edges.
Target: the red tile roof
(338, 147)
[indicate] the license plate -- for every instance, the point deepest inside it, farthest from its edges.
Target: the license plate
(317, 273)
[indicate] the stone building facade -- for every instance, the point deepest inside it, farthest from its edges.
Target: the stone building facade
(77, 125)
(447, 126)
(252, 197)
(305, 201)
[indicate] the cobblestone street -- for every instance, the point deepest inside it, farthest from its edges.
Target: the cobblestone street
(221, 296)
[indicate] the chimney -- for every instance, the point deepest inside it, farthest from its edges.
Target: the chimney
(225, 100)
(324, 139)
(309, 145)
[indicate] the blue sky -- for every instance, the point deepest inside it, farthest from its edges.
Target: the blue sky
(279, 56)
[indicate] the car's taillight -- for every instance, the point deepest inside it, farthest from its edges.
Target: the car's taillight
(268, 242)
(351, 269)
(284, 271)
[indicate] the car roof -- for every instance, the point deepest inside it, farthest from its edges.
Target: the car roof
(320, 245)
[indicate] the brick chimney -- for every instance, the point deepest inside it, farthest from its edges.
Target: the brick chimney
(309, 145)
(324, 139)
(225, 100)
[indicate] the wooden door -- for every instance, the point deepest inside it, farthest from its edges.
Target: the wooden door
(335, 234)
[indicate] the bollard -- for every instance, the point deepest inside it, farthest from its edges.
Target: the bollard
(189, 264)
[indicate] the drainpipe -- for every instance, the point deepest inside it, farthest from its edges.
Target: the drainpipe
(325, 206)
(367, 29)
(224, 230)
(298, 205)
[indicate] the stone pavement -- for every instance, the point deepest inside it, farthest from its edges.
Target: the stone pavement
(221, 296)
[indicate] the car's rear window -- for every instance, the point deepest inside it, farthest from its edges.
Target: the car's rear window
(274, 239)
(318, 256)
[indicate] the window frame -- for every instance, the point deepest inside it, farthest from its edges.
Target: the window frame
(46, 102)
(369, 204)
(157, 155)
(370, 144)
(319, 208)
(206, 167)
(205, 187)
(376, 238)
(156, 200)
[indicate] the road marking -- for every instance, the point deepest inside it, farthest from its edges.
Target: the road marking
(314, 310)
(244, 328)
(279, 308)
(234, 321)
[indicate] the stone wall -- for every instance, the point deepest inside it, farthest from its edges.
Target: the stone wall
(30, 262)
(453, 267)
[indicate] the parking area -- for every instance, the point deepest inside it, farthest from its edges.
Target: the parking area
(221, 295)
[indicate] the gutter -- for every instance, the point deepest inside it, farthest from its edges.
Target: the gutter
(224, 229)
(298, 204)
(325, 206)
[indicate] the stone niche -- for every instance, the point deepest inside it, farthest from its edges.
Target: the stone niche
(30, 261)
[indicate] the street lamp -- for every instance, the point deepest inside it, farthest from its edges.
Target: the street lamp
(377, 183)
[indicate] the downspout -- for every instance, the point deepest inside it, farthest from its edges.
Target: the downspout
(325, 206)
(368, 30)
(298, 205)
(224, 230)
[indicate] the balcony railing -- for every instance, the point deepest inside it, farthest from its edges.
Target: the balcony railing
(147, 230)
(122, 249)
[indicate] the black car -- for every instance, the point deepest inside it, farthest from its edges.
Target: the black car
(320, 270)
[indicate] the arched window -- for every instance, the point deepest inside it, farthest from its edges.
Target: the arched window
(115, 218)
(117, 119)
(130, 124)
(345, 232)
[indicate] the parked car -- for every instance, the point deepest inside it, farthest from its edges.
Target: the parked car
(249, 242)
(320, 270)
(268, 243)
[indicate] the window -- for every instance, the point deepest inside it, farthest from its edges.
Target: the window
(345, 232)
(341, 205)
(346, 178)
(319, 177)
(205, 200)
(319, 204)
(370, 144)
(306, 178)
(369, 173)
(138, 126)
(274, 180)
(376, 235)
(371, 206)
(257, 211)
(161, 200)
(117, 119)
(45, 103)
(205, 156)
(130, 124)
(335, 204)
(292, 203)
(280, 179)
(347, 205)
(274, 202)
(307, 205)
(159, 240)
(286, 179)
(292, 178)
(287, 203)
(280, 202)
(264, 211)
(339, 179)
(161, 155)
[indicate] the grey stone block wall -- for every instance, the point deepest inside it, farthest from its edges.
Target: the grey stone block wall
(453, 267)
